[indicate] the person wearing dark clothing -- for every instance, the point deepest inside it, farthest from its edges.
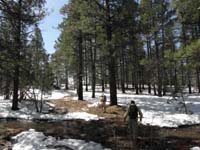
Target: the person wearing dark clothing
(133, 113)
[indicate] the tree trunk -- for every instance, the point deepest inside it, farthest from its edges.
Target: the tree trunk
(159, 76)
(102, 78)
(17, 59)
(93, 79)
(93, 65)
(198, 80)
(80, 67)
(189, 83)
(86, 78)
(7, 89)
(86, 64)
(149, 56)
(132, 80)
(112, 82)
(154, 89)
(15, 88)
(127, 74)
(66, 79)
(111, 68)
(149, 88)
(122, 70)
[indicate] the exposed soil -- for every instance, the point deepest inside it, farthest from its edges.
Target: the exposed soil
(111, 132)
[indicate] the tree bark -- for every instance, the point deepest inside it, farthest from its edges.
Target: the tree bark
(93, 67)
(102, 78)
(16, 81)
(159, 76)
(7, 89)
(122, 72)
(112, 63)
(66, 79)
(15, 88)
(198, 79)
(80, 67)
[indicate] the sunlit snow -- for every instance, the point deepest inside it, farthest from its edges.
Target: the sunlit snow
(28, 112)
(160, 111)
(32, 140)
(195, 148)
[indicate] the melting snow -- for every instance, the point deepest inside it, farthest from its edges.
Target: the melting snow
(32, 140)
(160, 111)
(195, 148)
(28, 112)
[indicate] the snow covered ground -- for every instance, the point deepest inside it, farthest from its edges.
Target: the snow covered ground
(32, 140)
(28, 112)
(160, 111)
(195, 148)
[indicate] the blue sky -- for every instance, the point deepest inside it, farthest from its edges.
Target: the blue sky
(49, 25)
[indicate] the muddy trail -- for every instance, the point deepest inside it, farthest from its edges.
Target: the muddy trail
(110, 133)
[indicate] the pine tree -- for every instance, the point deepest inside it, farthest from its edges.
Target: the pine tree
(21, 15)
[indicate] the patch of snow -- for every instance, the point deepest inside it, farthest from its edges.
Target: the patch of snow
(93, 105)
(57, 94)
(195, 148)
(51, 95)
(159, 111)
(156, 110)
(32, 140)
(28, 112)
(1, 97)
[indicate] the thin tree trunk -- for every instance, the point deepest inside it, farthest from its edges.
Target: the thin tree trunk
(7, 89)
(159, 77)
(93, 56)
(149, 88)
(154, 89)
(198, 79)
(102, 78)
(189, 83)
(66, 79)
(122, 70)
(127, 75)
(86, 66)
(86, 78)
(149, 56)
(132, 80)
(15, 88)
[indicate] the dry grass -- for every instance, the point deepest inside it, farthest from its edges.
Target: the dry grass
(70, 105)
(149, 136)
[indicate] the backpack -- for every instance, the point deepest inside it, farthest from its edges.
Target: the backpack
(133, 112)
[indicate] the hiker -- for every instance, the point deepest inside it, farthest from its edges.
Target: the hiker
(102, 103)
(132, 113)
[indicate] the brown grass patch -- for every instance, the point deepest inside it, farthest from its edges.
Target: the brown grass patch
(69, 105)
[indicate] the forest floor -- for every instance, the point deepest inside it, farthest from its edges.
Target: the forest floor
(112, 131)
